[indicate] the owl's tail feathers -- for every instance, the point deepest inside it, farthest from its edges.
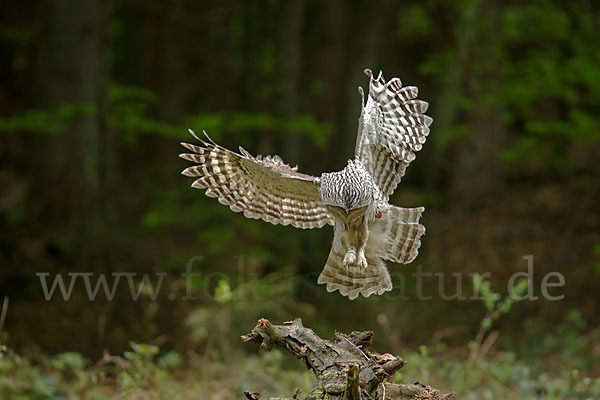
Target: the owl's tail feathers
(353, 280)
(396, 235)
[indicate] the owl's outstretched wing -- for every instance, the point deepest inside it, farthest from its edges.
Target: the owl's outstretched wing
(392, 127)
(260, 187)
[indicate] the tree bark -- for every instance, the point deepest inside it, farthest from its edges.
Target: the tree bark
(344, 368)
(478, 169)
(71, 72)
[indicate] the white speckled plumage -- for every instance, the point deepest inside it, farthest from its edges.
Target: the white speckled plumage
(367, 230)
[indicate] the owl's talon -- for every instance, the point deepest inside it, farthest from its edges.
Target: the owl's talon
(362, 260)
(350, 258)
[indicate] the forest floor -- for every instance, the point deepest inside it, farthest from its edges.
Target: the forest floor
(561, 367)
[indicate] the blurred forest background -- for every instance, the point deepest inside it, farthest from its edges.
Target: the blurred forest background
(95, 97)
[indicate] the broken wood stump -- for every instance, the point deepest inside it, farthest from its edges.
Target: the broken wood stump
(344, 368)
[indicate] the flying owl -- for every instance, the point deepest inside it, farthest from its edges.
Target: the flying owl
(367, 229)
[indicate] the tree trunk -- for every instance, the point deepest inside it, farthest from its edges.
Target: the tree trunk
(71, 73)
(478, 171)
(290, 63)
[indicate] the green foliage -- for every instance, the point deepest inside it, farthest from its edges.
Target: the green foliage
(533, 64)
(223, 293)
(144, 373)
(275, 375)
(128, 109)
(493, 301)
(46, 121)
(596, 258)
(505, 375)
(62, 377)
(500, 376)
(236, 123)
(130, 105)
(495, 307)
(550, 77)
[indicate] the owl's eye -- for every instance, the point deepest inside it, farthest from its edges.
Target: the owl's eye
(378, 215)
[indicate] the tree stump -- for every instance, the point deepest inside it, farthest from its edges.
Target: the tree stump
(344, 368)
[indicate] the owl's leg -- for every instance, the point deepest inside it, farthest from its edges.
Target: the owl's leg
(354, 239)
(362, 234)
(361, 260)
(348, 243)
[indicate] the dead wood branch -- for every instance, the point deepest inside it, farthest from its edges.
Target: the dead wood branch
(345, 370)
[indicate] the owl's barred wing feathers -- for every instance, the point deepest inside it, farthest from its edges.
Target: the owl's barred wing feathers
(397, 235)
(260, 187)
(392, 127)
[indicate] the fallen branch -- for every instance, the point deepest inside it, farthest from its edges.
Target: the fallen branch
(345, 370)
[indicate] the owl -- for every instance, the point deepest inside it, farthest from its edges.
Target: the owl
(366, 229)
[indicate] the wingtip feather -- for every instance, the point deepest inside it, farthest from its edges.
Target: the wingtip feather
(191, 157)
(208, 138)
(197, 184)
(189, 171)
(427, 120)
(194, 135)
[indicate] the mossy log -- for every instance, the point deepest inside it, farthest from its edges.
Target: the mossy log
(344, 368)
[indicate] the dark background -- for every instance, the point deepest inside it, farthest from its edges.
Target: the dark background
(95, 97)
